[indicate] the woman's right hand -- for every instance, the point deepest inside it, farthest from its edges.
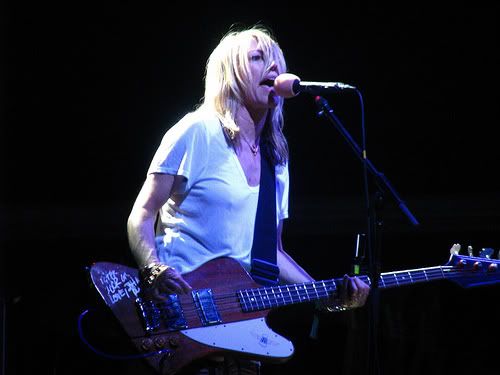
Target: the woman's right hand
(170, 281)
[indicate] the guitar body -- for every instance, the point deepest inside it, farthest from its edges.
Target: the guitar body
(208, 322)
(226, 311)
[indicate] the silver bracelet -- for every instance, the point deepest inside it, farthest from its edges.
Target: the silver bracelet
(150, 273)
(336, 308)
(332, 308)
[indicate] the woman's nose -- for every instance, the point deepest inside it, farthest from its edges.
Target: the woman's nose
(273, 67)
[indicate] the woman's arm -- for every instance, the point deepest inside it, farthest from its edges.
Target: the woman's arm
(353, 292)
(290, 271)
(141, 232)
(140, 225)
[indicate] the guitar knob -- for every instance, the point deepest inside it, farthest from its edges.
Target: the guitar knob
(173, 342)
(469, 251)
(477, 265)
(493, 267)
(146, 344)
(159, 342)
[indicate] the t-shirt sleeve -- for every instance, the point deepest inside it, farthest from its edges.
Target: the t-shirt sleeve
(182, 151)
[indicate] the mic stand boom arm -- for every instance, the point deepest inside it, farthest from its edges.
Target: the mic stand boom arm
(380, 179)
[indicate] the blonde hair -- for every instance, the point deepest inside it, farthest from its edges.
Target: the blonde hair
(226, 78)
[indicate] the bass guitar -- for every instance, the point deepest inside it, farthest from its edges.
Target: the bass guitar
(226, 310)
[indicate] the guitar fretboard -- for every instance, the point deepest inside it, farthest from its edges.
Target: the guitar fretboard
(281, 295)
(400, 278)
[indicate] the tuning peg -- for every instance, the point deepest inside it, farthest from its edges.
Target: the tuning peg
(455, 249)
(469, 251)
(486, 252)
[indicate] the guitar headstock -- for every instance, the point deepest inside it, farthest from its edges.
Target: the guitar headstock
(469, 271)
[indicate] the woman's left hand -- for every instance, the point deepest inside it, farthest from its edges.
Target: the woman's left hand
(354, 292)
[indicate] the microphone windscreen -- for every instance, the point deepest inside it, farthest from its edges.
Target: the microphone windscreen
(283, 85)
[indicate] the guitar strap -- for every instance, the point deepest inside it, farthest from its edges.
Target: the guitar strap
(263, 267)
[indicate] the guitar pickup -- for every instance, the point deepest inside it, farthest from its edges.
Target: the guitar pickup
(168, 312)
(172, 314)
(205, 305)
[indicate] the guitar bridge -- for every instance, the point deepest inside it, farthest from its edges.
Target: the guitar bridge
(149, 313)
(205, 305)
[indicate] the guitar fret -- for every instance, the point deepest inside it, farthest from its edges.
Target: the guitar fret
(298, 292)
(290, 294)
(261, 299)
(315, 290)
(414, 276)
(409, 275)
(307, 294)
(280, 295)
(425, 274)
(274, 296)
(324, 287)
(298, 288)
(243, 301)
(367, 280)
(254, 299)
(248, 299)
(386, 280)
(267, 297)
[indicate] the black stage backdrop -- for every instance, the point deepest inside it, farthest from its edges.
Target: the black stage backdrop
(88, 91)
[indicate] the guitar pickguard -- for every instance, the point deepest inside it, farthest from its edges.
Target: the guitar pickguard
(248, 336)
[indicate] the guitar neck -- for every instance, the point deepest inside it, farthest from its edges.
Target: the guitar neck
(282, 295)
(401, 278)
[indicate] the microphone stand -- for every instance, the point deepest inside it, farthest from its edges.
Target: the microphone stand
(374, 225)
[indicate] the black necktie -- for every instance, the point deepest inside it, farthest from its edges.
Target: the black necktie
(264, 269)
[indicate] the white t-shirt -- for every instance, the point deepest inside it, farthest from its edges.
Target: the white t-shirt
(216, 215)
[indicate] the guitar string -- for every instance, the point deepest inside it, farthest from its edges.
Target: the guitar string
(226, 302)
(276, 291)
(304, 293)
(236, 305)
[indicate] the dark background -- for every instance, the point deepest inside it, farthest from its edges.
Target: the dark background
(88, 91)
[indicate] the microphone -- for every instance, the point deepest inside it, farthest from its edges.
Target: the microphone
(289, 85)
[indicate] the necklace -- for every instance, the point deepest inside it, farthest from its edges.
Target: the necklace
(253, 148)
